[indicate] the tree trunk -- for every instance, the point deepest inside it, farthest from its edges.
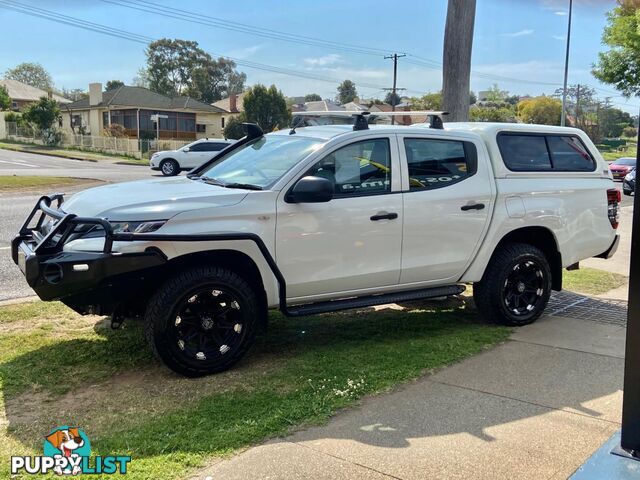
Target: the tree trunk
(458, 43)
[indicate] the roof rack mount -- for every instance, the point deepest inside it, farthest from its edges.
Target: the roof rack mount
(360, 118)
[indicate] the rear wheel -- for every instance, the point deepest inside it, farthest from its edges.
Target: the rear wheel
(169, 167)
(516, 285)
(202, 321)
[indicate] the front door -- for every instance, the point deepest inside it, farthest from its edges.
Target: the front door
(352, 242)
(448, 201)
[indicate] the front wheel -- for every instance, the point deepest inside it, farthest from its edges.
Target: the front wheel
(169, 167)
(516, 285)
(202, 321)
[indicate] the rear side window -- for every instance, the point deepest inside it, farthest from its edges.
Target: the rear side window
(438, 163)
(569, 154)
(524, 153)
(540, 153)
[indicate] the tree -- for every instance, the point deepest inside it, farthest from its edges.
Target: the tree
(620, 65)
(42, 114)
(541, 110)
(267, 107)
(113, 85)
(181, 67)
(346, 92)
(491, 114)
(630, 132)
(430, 101)
(494, 94)
(392, 98)
(456, 72)
(32, 74)
(312, 97)
(141, 79)
(234, 129)
(613, 121)
(74, 94)
(581, 105)
(5, 100)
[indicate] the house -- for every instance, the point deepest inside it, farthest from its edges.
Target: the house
(181, 118)
(22, 94)
(323, 106)
(232, 106)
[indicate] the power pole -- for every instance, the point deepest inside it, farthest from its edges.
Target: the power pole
(395, 57)
(577, 105)
(566, 67)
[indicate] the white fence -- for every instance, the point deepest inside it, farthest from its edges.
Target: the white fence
(134, 147)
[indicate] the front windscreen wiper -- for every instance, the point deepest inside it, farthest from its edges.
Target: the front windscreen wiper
(212, 181)
(246, 186)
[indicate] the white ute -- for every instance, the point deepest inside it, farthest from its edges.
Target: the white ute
(322, 218)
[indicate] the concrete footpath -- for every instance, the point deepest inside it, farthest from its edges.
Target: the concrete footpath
(535, 407)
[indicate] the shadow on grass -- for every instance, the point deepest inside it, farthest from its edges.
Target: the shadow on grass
(323, 363)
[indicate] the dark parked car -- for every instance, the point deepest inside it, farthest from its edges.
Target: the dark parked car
(629, 183)
(620, 167)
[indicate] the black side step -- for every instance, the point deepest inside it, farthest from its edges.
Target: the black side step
(371, 300)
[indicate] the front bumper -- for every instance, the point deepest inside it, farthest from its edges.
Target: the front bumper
(55, 274)
(629, 186)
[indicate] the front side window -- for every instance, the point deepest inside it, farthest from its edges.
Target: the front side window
(360, 168)
(262, 161)
(524, 153)
(438, 163)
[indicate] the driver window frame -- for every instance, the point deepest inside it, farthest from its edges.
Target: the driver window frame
(394, 164)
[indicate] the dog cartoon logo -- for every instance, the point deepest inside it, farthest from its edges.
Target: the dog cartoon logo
(70, 444)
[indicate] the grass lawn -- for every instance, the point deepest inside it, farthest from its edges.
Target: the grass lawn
(17, 182)
(58, 368)
(73, 153)
(611, 156)
(592, 281)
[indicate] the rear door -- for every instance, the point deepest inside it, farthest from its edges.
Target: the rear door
(448, 199)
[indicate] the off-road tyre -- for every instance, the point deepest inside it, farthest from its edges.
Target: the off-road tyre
(173, 317)
(515, 267)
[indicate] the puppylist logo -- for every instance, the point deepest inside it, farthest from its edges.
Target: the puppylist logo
(67, 451)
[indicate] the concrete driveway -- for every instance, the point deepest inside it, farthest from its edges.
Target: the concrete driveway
(14, 206)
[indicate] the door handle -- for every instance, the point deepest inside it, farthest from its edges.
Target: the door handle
(384, 216)
(472, 206)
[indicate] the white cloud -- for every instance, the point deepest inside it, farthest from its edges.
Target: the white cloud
(559, 37)
(561, 12)
(247, 51)
(521, 33)
(325, 60)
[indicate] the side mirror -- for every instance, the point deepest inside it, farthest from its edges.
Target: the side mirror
(185, 149)
(311, 190)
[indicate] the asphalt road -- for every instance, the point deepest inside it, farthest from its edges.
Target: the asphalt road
(15, 206)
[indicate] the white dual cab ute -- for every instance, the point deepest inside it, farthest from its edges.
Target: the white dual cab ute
(324, 218)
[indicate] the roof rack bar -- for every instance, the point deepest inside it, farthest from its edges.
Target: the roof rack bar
(361, 123)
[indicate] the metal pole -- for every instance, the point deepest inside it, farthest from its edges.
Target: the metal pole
(395, 57)
(631, 398)
(566, 67)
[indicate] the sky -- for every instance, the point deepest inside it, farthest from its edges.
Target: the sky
(518, 44)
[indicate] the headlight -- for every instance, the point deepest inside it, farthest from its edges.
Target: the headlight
(137, 227)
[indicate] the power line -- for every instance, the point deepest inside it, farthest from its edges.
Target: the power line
(105, 30)
(207, 20)
(394, 96)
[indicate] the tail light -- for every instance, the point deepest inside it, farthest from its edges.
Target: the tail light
(613, 201)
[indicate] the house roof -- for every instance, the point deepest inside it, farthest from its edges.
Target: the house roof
(139, 97)
(323, 106)
(21, 91)
(225, 104)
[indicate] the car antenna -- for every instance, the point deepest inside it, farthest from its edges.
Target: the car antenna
(296, 124)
